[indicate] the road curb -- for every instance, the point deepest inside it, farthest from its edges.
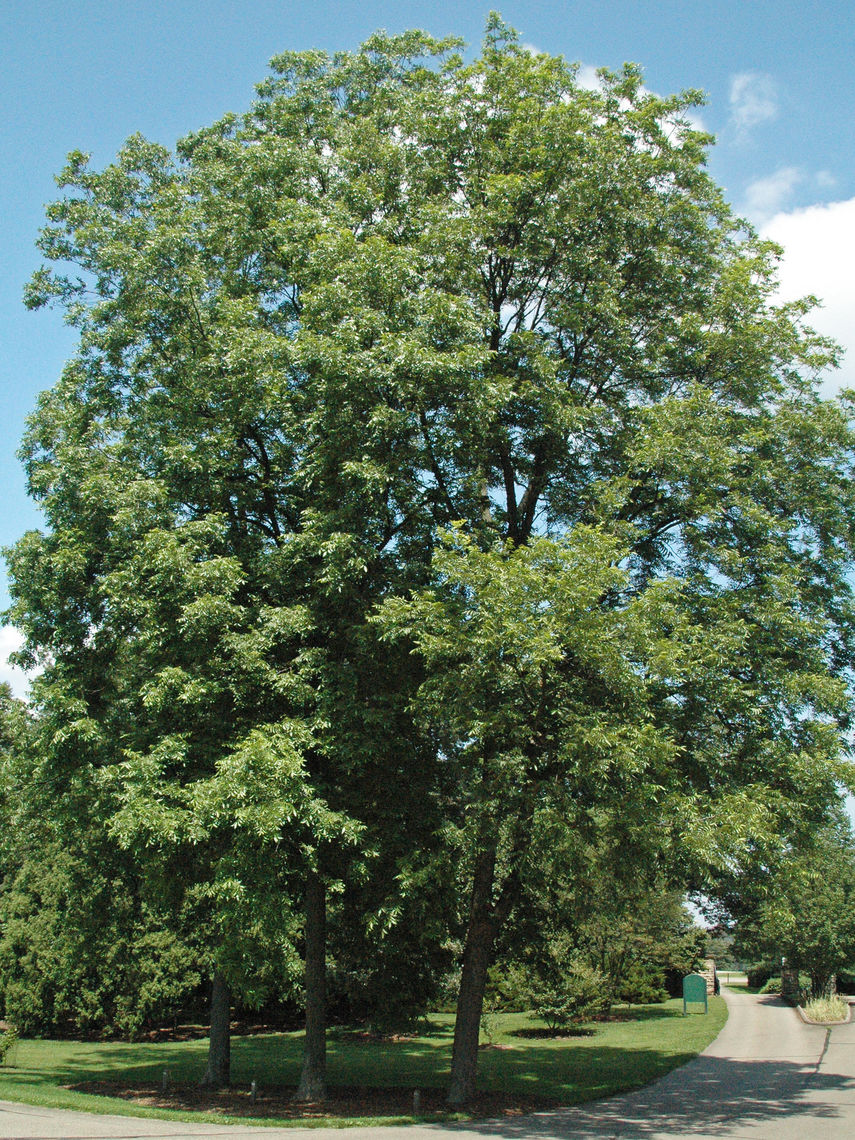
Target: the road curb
(810, 1021)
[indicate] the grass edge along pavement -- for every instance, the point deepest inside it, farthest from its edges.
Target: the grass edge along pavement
(617, 1056)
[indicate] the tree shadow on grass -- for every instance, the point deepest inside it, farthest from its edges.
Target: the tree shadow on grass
(417, 1061)
(552, 1073)
(709, 1097)
(630, 1013)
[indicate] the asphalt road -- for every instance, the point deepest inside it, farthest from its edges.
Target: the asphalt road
(767, 1076)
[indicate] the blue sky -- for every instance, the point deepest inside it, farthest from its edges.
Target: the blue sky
(779, 79)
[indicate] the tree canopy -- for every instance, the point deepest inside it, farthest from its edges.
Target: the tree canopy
(435, 442)
(804, 913)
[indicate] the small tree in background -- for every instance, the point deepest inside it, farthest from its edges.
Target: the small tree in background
(573, 991)
(808, 917)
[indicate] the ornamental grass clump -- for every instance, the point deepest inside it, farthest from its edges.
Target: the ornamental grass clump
(831, 1008)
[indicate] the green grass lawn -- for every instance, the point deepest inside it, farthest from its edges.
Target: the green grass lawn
(617, 1055)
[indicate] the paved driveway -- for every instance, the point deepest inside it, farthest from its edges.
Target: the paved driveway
(767, 1076)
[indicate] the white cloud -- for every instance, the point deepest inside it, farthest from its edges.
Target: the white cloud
(10, 640)
(819, 251)
(753, 100)
(694, 119)
(587, 78)
(765, 197)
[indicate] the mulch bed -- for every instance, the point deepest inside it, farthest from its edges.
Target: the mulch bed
(240, 1028)
(343, 1101)
(535, 1034)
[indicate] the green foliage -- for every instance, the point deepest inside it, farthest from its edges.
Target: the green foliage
(8, 1040)
(489, 1027)
(613, 911)
(388, 978)
(87, 943)
(509, 987)
(719, 947)
(407, 296)
(16, 727)
(641, 984)
(578, 993)
(775, 985)
(807, 917)
(642, 941)
(82, 948)
(758, 976)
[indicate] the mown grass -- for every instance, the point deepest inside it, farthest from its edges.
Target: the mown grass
(618, 1055)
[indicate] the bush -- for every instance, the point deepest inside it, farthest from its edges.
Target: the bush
(8, 1041)
(388, 974)
(489, 1022)
(509, 987)
(827, 1009)
(775, 985)
(579, 993)
(759, 975)
(641, 985)
(449, 987)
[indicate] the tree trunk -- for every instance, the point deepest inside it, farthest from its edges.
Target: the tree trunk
(218, 1073)
(477, 955)
(313, 1079)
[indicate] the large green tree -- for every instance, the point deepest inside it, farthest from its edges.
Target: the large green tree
(406, 294)
(224, 507)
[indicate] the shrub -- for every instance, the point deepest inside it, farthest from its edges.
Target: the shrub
(489, 1023)
(775, 985)
(641, 985)
(8, 1040)
(449, 987)
(579, 993)
(827, 1009)
(509, 987)
(759, 975)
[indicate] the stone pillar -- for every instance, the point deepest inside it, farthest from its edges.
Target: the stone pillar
(789, 982)
(707, 970)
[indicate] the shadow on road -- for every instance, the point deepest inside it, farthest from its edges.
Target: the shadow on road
(725, 1094)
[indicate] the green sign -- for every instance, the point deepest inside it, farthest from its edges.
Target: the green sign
(694, 989)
